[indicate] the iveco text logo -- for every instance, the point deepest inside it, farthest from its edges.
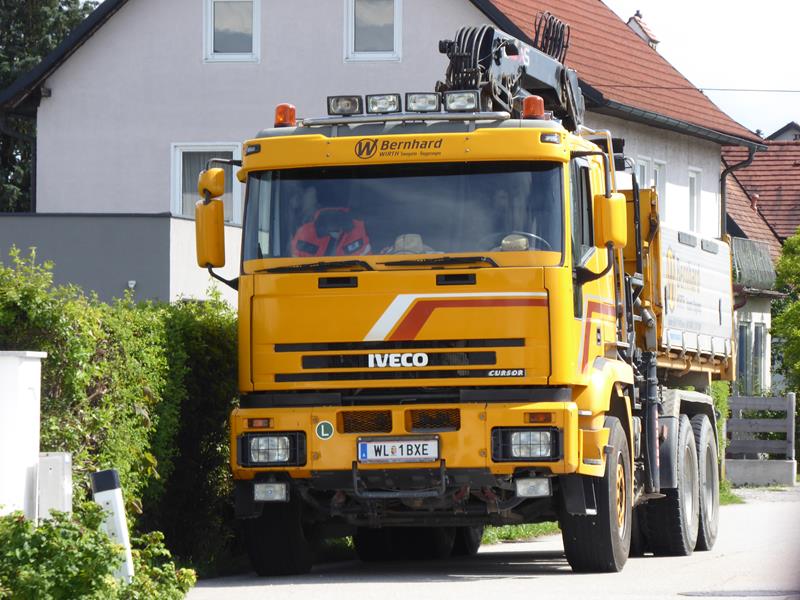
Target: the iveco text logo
(408, 359)
(365, 148)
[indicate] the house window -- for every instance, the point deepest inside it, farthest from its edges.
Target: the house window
(232, 30)
(187, 162)
(373, 30)
(694, 200)
(759, 357)
(744, 358)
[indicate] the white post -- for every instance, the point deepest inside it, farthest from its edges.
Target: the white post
(20, 389)
(108, 494)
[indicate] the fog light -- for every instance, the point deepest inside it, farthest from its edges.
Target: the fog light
(531, 444)
(269, 449)
(270, 492)
(533, 487)
(423, 102)
(461, 101)
(383, 103)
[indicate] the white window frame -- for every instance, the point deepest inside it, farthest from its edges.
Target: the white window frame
(176, 179)
(210, 56)
(661, 184)
(694, 212)
(350, 54)
(645, 162)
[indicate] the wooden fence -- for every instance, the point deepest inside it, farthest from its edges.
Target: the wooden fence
(736, 425)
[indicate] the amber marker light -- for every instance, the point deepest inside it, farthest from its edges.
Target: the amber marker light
(285, 115)
(259, 423)
(533, 107)
(538, 418)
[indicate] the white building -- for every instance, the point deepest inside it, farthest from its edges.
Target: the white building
(131, 105)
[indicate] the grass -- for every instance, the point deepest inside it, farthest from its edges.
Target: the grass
(507, 533)
(727, 495)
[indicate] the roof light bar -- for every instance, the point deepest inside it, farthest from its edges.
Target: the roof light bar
(463, 101)
(345, 105)
(383, 103)
(423, 102)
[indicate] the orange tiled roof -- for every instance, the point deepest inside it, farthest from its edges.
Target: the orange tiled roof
(611, 58)
(750, 220)
(775, 176)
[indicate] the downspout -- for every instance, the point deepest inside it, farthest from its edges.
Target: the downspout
(723, 226)
(27, 139)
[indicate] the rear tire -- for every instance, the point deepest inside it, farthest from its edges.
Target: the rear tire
(601, 543)
(708, 469)
(672, 522)
(468, 540)
(276, 541)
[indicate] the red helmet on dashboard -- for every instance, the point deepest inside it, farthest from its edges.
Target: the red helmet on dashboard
(332, 232)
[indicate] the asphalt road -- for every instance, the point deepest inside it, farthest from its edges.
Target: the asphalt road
(757, 555)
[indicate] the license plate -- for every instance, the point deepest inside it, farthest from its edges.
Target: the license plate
(398, 450)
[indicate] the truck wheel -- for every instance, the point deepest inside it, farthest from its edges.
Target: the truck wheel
(672, 522)
(276, 541)
(709, 482)
(468, 540)
(375, 545)
(430, 543)
(601, 542)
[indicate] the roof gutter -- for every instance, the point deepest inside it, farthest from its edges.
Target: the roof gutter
(657, 120)
(723, 193)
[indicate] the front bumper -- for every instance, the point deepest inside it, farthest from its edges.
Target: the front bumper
(331, 442)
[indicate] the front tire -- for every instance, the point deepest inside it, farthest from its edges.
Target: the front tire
(708, 470)
(672, 521)
(468, 540)
(276, 541)
(601, 543)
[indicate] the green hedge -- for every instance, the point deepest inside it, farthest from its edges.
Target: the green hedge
(145, 388)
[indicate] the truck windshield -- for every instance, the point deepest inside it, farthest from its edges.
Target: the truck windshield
(404, 209)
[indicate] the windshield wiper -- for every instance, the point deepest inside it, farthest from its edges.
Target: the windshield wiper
(442, 260)
(320, 266)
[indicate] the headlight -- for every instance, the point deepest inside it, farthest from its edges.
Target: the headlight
(269, 449)
(383, 103)
(422, 102)
(461, 101)
(531, 444)
(345, 105)
(525, 444)
(273, 449)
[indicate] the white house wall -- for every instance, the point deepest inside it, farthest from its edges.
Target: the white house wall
(681, 154)
(140, 85)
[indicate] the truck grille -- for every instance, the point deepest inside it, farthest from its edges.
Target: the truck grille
(365, 421)
(448, 419)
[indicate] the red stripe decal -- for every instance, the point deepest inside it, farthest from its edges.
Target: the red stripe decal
(416, 318)
(592, 308)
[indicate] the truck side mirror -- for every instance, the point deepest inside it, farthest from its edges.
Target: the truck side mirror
(209, 219)
(610, 221)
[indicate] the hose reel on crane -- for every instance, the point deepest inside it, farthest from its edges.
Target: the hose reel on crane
(505, 70)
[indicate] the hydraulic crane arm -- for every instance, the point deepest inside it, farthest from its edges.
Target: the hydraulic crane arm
(505, 70)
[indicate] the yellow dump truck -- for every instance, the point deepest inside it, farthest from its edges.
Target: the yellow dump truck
(451, 316)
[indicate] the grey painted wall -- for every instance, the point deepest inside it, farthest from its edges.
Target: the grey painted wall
(97, 252)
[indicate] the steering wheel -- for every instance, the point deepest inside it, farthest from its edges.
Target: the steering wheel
(493, 240)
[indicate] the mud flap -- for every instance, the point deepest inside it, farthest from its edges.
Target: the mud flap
(668, 452)
(577, 494)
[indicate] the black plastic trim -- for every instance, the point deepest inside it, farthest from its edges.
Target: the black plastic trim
(399, 345)
(436, 359)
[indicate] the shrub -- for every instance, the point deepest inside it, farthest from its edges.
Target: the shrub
(71, 557)
(145, 388)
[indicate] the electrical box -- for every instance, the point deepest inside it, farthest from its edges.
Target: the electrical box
(55, 483)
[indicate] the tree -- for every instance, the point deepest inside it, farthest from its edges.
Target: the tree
(786, 322)
(30, 30)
